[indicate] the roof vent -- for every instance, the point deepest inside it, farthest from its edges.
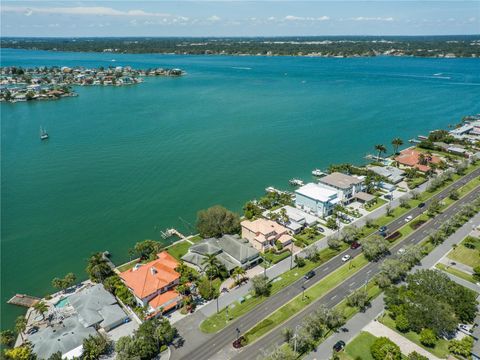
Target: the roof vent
(153, 270)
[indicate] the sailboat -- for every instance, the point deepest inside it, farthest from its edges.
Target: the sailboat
(43, 134)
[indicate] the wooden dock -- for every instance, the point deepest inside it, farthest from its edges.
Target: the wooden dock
(23, 300)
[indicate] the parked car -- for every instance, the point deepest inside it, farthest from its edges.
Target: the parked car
(339, 345)
(32, 330)
(408, 218)
(388, 196)
(421, 205)
(320, 229)
(309, 275)
(346, 257)
(355, 245)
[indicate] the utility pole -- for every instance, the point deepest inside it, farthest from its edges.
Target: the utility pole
(217, 303)
(291, 257)
(303, 292)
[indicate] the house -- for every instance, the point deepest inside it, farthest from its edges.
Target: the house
(411, 158)
(345, 185)
(392, 174)
(263, 233)
(297, 219)
(316, 199)
(153, 284)
(230, 250)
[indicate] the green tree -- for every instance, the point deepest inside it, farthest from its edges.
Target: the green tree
(20, 325)
(331, 223)
(350, 234)
(94, 347)
(56, 356)
(64, 283)
(41, 308)
(147, 249)
(7, 338)
(374, 247)
(334, 243)
(428, 337)
(416, 356)
(261, 285)
(216, 221)
(401, 323)
(239, 273)
(434, 207)
(476, 273)
(98, 268)
(380, 149)
(212, 266)
(23, 352)
(461, 347)
(251, 210)
(396, 142)
(384, 349)
(454, 195)
(299, 261)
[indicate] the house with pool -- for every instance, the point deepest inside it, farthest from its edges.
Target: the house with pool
(153, 284)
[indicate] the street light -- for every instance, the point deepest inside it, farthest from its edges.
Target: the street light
(295, 338)
(303, 292)
(238, 332)
(217, 303)
(291, 257)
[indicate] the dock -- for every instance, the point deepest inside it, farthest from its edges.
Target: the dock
(23, 300)
(170, 232)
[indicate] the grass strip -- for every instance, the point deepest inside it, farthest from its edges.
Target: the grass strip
(458, 273)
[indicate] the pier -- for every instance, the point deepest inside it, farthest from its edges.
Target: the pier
(23, 300)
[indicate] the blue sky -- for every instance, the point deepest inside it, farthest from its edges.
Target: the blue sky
(238, 18)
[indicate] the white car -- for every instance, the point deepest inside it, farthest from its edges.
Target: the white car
(346, 258)
(408, 218)
(401, 251)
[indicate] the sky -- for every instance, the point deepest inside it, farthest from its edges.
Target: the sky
(238, 18)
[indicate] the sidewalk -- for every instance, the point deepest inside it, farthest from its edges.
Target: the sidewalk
(406, 346)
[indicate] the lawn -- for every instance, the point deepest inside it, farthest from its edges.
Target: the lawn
(456, 272)
(195, 239)
(302, 239)
(465, 255)
(376, 205)
(179, 249)
(273, 258)
(359, 347)
(441, 347)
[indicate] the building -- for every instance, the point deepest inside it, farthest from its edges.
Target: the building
(153, 284)
(345, 185)
(316, 199)
(297, 219)
(411, 158)
(392, 174)
(263, 233)
(230, 250)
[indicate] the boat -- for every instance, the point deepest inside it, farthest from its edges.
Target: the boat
(43, 134)
(318, 172)
(270, 189)
(296, 182)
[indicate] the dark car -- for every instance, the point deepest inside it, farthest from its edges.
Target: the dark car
(383, 229)
(319, 228)
(421, 205)
(339, 345)
(355, 245)
(309, 275)
(32, 330)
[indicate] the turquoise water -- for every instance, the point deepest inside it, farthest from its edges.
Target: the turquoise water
(124, 163)
(62, 303)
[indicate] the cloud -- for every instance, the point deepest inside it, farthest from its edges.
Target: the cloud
(80, 10)
(362, 18)
(214, 18)
(301, 18)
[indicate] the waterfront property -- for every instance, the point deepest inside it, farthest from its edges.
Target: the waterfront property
(73, 319)
(392, 174)
(411, 157)
(153, 284)
(230, 250)
(297, 219)
(263, 234)
(316, 199)
(345, 185)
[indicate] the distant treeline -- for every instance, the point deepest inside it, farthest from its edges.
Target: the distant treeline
(423, 46)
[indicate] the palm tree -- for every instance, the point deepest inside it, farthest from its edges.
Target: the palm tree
(283, 216)
(20, 325)
(98, 268)
(212, 266)
(396, 142)
(239, 272)
(422, 159)
(381, 149)
(41, 308)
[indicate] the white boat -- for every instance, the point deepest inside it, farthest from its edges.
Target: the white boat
(296, 182)
(318, 172)
(270, 189)
(43, 134)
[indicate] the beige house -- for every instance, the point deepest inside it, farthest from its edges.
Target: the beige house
(263, 233)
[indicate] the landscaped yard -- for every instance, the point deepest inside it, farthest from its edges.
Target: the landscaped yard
(179, 249)
(379, 202)
(466, 255)
(273, 258)
(441, 347)
(359, 347)
(305, 240)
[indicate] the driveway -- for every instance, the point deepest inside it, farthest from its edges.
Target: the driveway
(406, 346)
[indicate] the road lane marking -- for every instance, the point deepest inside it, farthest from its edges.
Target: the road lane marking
(333, 297)
(351, 284)
(325, 269)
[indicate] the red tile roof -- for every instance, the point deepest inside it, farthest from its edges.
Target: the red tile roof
(410, 157)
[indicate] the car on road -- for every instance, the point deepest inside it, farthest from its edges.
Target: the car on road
(383, 229)
(408, 218)
(346, 257)
(309, 275)
(355, 245)
(421, 205)
(401, 251)
(339, 346)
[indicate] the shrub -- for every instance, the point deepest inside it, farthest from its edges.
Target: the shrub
(416, 224)
(401, 323)
(383, 348)
(416, 356)
(461, 347)
(261, 285)
(300, 261)
(428, 337)
(393, 236)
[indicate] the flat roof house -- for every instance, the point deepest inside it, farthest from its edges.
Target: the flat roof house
(231, 250)
(297, 219)
(154, 283)
(345, 185)
(263, 233)
(392, 174)
(316, 199)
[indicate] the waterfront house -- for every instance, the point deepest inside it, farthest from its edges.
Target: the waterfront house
(153, 284)
(345, 185)
(263, 234)
(316, 199)
(230, 250)
(392, 174)
(297, 219)
(411, 158)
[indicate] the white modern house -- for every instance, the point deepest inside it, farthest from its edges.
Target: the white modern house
(346, 186)
(297, 219)
(316, 199)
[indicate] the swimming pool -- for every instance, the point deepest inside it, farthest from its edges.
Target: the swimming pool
(62, 303)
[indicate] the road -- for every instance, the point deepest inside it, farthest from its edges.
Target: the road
(212, 344)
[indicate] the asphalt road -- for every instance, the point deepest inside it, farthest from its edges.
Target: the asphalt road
(225, 337)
